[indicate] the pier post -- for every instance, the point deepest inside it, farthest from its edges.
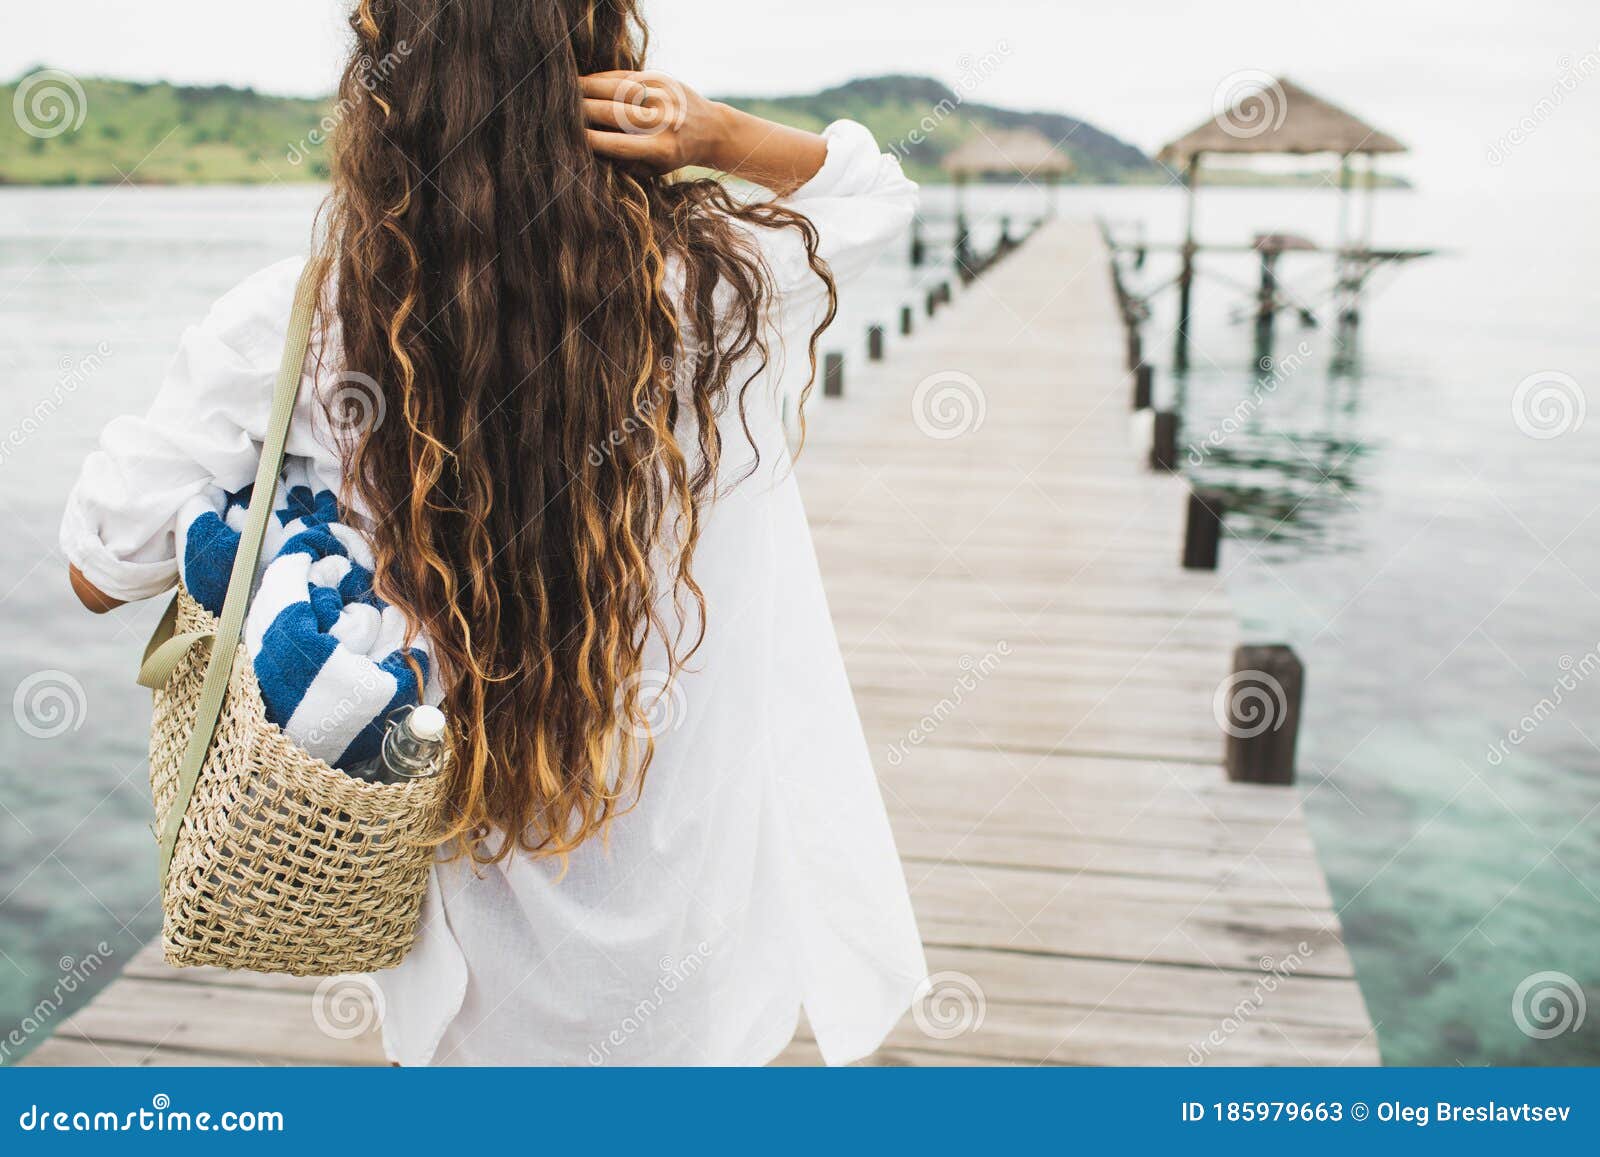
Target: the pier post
(1259, 708)
(1203, 529)
(875, 343)
(1144, 377)
(933, 302)
(1135, 347)
(1180, 348)
(833, 376)
(919, 248)
(906, 315)
(1164, 443)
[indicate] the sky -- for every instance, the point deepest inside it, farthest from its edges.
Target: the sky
(1456, 81)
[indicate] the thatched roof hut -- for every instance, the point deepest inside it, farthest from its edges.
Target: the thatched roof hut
(1279, 116)
(1024, 152)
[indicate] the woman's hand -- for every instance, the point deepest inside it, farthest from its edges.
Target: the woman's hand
(651, 120)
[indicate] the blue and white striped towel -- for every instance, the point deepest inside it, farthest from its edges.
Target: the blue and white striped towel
(329, 654)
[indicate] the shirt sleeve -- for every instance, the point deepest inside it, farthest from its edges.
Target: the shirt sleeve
(205, 427)
(859, 202)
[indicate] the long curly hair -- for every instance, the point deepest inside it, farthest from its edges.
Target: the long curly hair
(521, 303)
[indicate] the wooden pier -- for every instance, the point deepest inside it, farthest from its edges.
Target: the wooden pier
(1037, 675)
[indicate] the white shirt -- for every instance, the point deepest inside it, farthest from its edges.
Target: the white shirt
(757, 876)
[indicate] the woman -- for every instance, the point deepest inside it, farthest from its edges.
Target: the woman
(577, 487)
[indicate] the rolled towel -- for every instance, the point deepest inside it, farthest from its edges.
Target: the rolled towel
(331, 657)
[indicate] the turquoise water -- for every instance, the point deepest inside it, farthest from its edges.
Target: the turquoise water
(1432, 563)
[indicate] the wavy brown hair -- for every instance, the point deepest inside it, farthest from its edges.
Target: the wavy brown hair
(510, 292)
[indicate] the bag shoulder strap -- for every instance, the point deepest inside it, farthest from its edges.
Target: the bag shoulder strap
(225, 643)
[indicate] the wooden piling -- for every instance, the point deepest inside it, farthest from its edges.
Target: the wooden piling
(833, 376)
(1203, 529)
(1259, 707)
(1144, 377)
(875, 343)
(906, 320)
(1164, 443)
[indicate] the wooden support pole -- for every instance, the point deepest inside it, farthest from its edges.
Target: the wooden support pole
(1144, 378)
(1135, 347)
(1202, 533)
(1180, 348)
(833, 376)
(919, 248)
(1259, 709)
(933, 302)
(906, 322)
(1164, 443)
(875, 343)
(944, 293)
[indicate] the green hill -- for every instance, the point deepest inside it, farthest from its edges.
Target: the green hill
(91, 131)
(155, 134)
(922, 119)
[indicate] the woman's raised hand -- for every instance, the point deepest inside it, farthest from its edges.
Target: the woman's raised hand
(652, 120)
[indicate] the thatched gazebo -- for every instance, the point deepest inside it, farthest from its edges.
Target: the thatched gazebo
(1274, 116)
(1025, 153)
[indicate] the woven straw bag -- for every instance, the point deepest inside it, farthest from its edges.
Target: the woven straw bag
(271, 859)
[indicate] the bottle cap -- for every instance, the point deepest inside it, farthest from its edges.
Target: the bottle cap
(426, 723)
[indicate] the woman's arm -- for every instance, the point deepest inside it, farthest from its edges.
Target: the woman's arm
(653, 120)
(90, 595)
